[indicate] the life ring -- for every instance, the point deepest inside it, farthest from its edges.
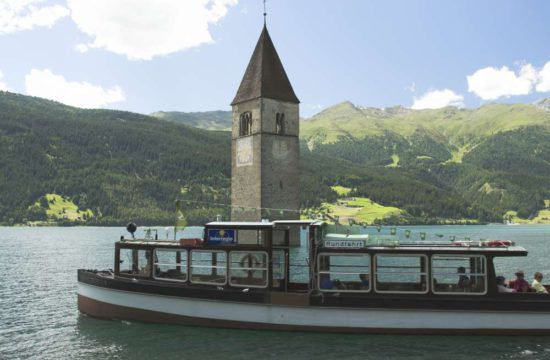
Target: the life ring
(248, 263)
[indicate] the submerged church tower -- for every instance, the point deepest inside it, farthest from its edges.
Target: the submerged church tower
(265, 150)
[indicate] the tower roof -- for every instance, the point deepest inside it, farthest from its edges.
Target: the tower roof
(265, 75)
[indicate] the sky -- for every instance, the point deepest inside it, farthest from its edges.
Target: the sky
(190, 55)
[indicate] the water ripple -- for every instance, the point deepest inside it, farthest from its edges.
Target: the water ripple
(39, 317)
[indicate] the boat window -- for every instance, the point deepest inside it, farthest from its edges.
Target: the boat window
(208, 267)
(344, 272)
(251, 237)
(170, 265)
(248, 269)
(279, 264)
(134, 262)
(401, 273)
(459, 274)
(280, 237)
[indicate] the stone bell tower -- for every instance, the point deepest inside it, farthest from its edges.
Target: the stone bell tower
(265, 150)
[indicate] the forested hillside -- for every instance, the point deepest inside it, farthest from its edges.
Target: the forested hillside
(67, 165)
(119, 165)
(110, 167)
(495, 158)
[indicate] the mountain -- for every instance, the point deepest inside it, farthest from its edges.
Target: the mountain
(208, 120)
(455, 126)
(496, 157)
(66, 165)
(543, 104)
(118, 165)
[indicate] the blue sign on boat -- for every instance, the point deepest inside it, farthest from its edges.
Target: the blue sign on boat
(221, 236)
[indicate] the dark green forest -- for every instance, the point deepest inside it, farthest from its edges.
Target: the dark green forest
(130, 167)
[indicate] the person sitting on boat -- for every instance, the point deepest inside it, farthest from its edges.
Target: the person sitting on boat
(338, 284)
(463, 280)
(325, 282)
(146, 270)
(364, 282)
(501, 285)
(537, 284)
(520, 284)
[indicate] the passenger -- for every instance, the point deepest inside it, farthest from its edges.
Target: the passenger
(537, 284)
(519, 284)
(463, 280)
(364, 282)
(501, 285)
(146, 270)
(339, 285)
(325, 282)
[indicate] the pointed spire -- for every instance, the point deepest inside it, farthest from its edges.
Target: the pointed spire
(265, 75)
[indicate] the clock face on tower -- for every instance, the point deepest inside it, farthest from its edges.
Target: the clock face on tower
(245, 154)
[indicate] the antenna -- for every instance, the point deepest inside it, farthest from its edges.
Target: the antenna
(265, 13)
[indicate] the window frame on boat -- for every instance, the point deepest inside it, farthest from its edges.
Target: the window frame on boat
(423, 274)
(216, 267)
(346, 254)
(469, 274)
(184, 266)
(252, 256)
(139, 271)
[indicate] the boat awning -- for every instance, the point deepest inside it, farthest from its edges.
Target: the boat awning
(240, 224)
(260, 224)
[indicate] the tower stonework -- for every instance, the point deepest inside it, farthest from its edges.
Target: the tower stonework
(265, 151)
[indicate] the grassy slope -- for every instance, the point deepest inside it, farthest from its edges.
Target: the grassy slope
(358, 208)
(62, 208)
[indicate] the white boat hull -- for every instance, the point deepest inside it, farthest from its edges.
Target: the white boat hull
(110, 303)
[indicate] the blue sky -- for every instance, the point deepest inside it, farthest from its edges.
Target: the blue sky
(190, 55)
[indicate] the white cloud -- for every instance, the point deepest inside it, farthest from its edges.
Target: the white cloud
(544, 79)
(143, 29)
(18, 15)
(44, 83)
(81, 48)
(436, 99)
(491, 83)
(3, 85)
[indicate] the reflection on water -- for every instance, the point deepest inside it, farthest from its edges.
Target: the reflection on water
(39, 317)
(127, 340)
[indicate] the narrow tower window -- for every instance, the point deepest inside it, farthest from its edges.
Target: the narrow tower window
(280, 123)
(245, 124)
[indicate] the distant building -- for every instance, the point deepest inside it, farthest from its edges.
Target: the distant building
(265, 151)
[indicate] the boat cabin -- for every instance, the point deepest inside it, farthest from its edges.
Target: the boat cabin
(259, 256)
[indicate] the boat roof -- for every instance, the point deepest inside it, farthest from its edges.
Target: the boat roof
(457, 250)
(404, 249)
(261, 224)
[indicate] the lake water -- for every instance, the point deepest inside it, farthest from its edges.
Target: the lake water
(39, 317)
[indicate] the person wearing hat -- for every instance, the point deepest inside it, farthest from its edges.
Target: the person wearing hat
(537, 284)
(520, 284)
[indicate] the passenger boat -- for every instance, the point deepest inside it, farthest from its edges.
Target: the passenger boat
(254, 275)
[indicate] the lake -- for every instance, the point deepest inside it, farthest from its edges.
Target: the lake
(39, 317)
